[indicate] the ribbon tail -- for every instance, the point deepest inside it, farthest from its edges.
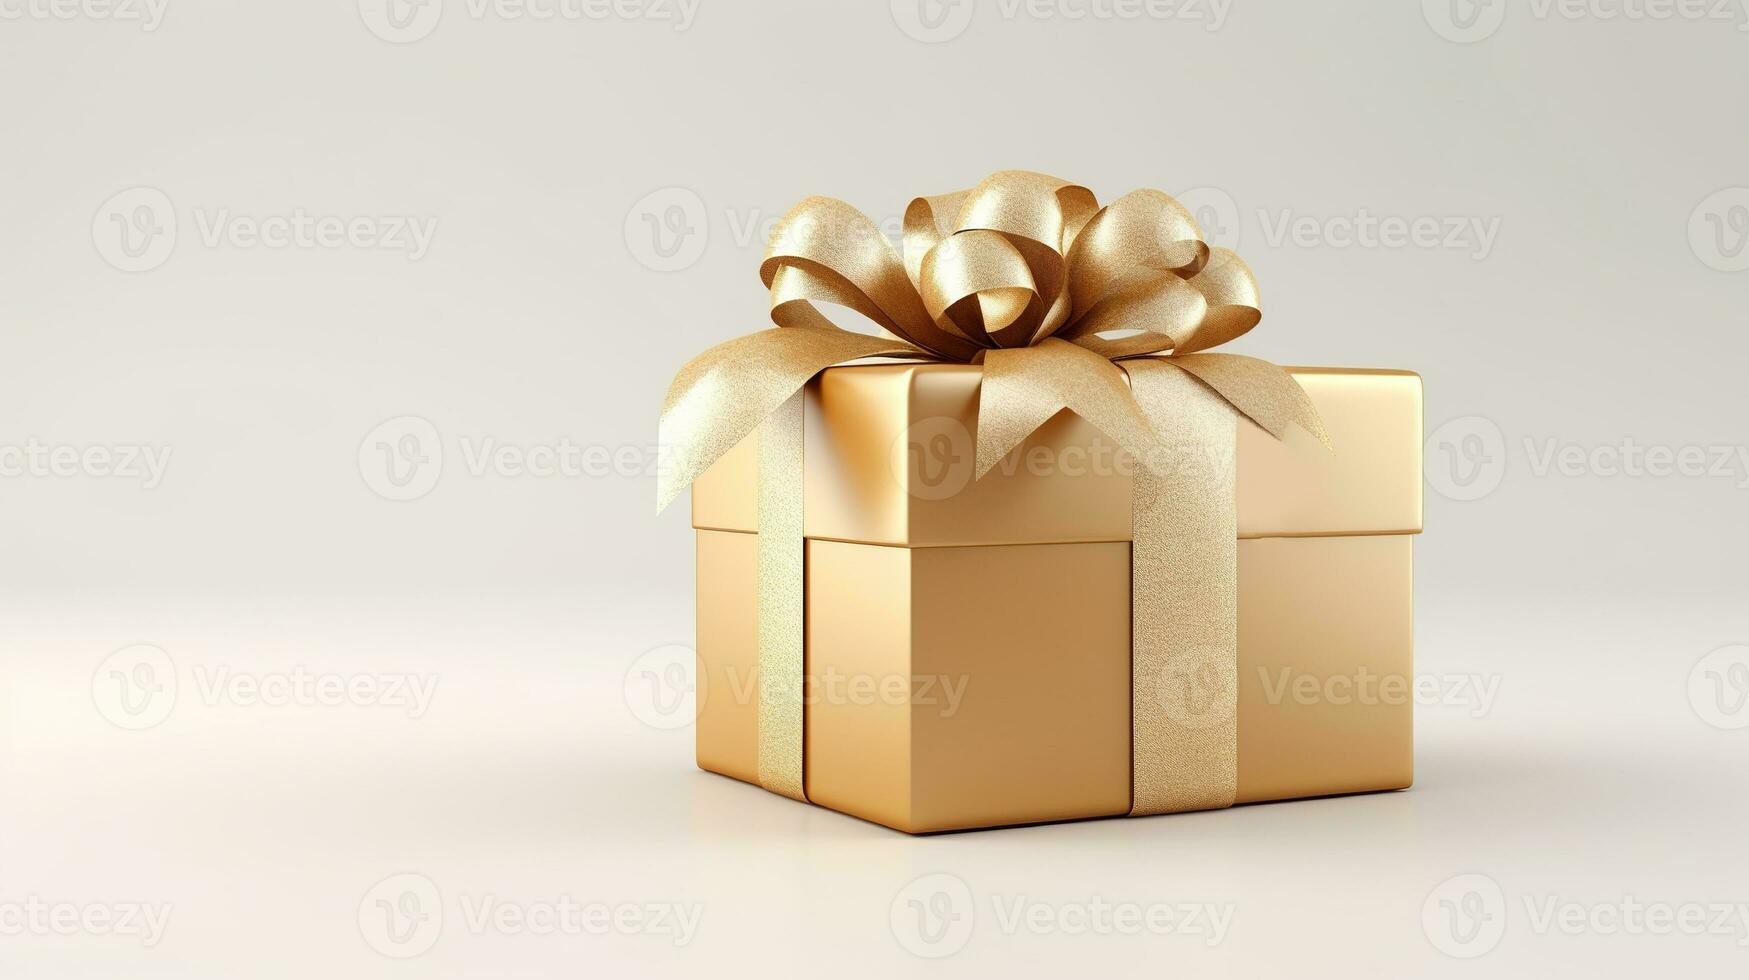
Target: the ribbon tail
(1024, 387)
(722, 395)
(1265, 393)
(1184, 600)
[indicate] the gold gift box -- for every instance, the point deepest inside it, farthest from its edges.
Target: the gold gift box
(968, 641)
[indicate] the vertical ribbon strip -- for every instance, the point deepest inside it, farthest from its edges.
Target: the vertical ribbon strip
(1184, 585)
(782, 606)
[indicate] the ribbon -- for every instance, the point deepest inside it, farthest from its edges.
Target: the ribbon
(1107, 311)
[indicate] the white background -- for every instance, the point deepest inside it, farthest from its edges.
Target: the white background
(1604, 309)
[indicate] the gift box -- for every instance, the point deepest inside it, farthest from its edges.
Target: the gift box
(979, 629)
(1054, 559)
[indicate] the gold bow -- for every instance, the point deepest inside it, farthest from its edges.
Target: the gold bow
(1104, 311)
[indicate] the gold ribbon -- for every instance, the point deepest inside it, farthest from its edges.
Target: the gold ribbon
(1104, 311)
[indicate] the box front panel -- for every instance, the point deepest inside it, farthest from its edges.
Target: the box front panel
(728, 654)
(1326, 666)
(1037, 640)
(946, 695)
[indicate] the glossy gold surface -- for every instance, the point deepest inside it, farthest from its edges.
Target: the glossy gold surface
(890, 454)
(1041, 730)
(1369, 484)
(1326, 660)
(728, 654)
(1017, 711)
(919, 576)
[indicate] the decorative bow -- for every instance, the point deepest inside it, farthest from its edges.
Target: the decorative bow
(1057, 297)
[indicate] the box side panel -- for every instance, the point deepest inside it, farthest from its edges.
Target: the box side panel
(1326, 666)
(1027, 651)
(728, 654)
(858, 732)
(726, 496)
(1368, 483)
